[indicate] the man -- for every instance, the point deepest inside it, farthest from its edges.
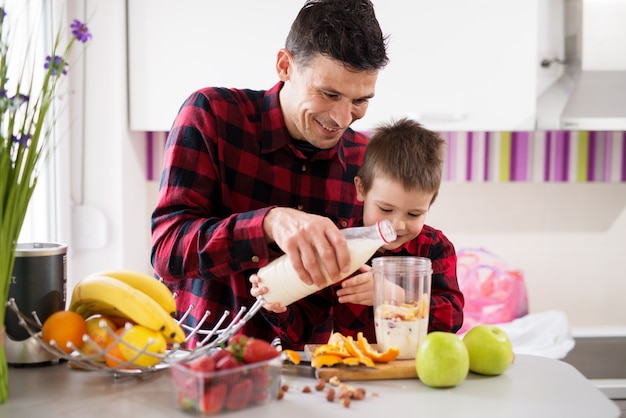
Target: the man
(249, 175)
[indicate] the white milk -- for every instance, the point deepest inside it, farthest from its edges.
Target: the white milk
(405, 335)
(284, 284)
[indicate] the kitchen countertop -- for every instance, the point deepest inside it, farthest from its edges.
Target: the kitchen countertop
(532, 387)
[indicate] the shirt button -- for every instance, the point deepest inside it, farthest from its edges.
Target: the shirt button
(343, 224)
(255, 258)
(300, 207)
(303, 167)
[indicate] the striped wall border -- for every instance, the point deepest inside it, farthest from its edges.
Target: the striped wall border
(155, 144)
(538, 156)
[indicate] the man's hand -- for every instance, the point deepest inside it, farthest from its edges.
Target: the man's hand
(307, 238)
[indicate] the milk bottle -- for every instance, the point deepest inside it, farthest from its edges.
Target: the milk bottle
(283, 283)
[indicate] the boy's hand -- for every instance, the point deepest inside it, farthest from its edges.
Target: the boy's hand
(259, 290)
(358, 288)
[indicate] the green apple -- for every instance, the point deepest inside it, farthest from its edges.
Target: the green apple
(442, 360)
(490, 350)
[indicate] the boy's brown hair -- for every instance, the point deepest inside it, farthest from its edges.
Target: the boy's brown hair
(407, 152)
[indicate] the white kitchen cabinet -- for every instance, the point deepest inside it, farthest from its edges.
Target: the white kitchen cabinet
(459, 65)
(178, 46)
(456, 65)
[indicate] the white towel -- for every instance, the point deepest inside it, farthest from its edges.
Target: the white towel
(545, 334)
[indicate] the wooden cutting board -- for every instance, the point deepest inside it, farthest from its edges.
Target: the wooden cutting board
(398, 369)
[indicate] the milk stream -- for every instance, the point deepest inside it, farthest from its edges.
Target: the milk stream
(283, 283)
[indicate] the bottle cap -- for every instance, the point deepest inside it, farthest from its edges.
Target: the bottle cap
(386, 231)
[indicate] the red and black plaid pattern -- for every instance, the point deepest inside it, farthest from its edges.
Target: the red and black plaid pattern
(228, 160)
(320, 314)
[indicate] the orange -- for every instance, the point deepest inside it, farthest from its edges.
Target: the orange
(64, 327)
(351, 361)
(353, 348)
(113, 356)
(325, 360)
(356, 361)
(366, 361)
(336, 350)
(351, 352)
(337, 338)
(385, 357)
(293, 356)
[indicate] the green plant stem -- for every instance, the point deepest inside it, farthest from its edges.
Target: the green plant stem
(7, 259)
(4, 376)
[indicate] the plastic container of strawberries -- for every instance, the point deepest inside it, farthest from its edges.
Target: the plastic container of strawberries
(242, 387)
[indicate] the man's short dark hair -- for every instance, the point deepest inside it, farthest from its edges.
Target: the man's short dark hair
(345, 30)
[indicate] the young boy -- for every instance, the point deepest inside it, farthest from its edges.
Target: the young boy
(398, 180)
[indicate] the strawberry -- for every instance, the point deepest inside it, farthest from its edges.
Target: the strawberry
(239, 394)
(186, 383)
(224, 359)
(237, 340)
(251, 350)
(261, 381)
(236, 345)
(214, 399)
(257, 350)
(202, 364)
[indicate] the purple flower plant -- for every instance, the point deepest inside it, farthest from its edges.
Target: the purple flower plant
(22, 140)
(80, 31)
(18, 100)
(26, 139)
(56, 65)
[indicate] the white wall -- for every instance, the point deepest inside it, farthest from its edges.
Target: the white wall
(569, 239)
(105, 155)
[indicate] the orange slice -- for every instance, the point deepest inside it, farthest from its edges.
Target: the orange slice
(325, 360)
(366, 361)
(357, 361)
(293, 356)
(353, 348)
(337, 338)
(332, 349)
(380, 357)
(351, 361)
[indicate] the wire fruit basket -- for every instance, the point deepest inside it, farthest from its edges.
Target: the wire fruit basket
(208, 339)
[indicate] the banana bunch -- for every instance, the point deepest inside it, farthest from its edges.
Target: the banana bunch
(132, 295)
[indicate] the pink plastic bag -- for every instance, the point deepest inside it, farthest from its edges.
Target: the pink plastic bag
(494, 292)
